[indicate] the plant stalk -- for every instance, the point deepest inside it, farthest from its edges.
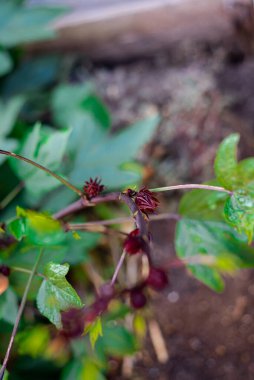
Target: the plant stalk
(20, 311)
(56, 176)
(191, 186)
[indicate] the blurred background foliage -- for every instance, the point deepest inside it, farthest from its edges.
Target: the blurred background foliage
(65, 126)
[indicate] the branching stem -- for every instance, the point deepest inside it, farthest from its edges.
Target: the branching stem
(20, 311)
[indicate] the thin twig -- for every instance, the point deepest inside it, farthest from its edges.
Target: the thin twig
(20, 311)
(24, 270)
(118, 267)
(128, 219)
(56, 176)
(191, 186)
(11, 195)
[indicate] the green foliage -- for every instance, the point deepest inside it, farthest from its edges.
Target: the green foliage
(88, 369)
(8, 306)
(56, 294)
(9, 112)
(94, 330)
(239, 212)
(40, 229)
(20, 24)
(203, 204)
(225, 165)
(40, 146)
(33, 341)
(210, 248)
(5, 63)
(92, 148)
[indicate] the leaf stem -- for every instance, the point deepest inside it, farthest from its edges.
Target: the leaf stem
(191, 186)
(20, 311)
(56, 176)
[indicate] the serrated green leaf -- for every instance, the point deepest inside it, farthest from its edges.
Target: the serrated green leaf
(239, 212)
(46, 147)
(210, 248)
(225, 165)
(94, 329)
(5, 63)
(56, 294)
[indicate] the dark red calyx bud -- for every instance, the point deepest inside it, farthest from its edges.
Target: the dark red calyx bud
(93, 188)
(134, 243)
(5, 270)
(107, 291)
(157, 279)
(131, 193)
(146, 201)
(137, 298)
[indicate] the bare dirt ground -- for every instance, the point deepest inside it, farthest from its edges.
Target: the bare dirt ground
(203, 93)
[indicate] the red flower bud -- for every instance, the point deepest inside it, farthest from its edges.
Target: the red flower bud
(137, 298)
(134, 243)
(146, 201)
(93, 188)
(157, 279)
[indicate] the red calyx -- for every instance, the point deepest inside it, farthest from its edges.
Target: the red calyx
(146, 201)
(93, 188)
(137, 298)
(157, 279)
(134, 243)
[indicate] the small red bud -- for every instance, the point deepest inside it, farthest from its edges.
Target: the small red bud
(137, 298)
(93, 188)
(133, 243)
(157, 279)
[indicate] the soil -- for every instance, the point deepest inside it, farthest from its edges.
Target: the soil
(203, 93)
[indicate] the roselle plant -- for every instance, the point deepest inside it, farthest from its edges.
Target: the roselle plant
(214, 233)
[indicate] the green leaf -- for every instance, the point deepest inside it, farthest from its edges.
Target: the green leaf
(47, 148)
(117, 341)
(17, 228)
(94, 330)
(209, 248)
(92, 153)
(92, 149)
(9, 112)
(92, 104)
(225, 165)
(8, 306)
(41, 229)
(203, 204)
(20, 23)
(56, 294)
(33, 341)
(31, 76)
(239, 212)
(87, 369)
(6, 374)
(5, 63)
